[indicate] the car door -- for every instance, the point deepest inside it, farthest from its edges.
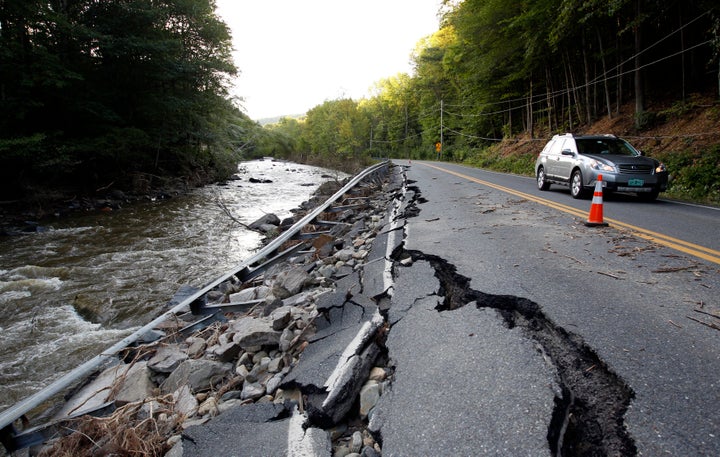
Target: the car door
(552, 152)
(565, 160)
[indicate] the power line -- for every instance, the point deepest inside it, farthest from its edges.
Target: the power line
(607, 76)
(541, 98)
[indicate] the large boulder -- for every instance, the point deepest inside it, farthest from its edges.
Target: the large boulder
(290, 282)
(251, 332)
(249, 294)
(267, 219)
(198, 375)
(167, 359)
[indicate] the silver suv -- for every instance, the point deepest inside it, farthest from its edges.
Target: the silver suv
(576, 161)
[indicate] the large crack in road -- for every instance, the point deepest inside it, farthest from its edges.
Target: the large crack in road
(588, 419)
(590, 402)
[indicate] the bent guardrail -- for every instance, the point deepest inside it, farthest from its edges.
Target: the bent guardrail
(18, 410)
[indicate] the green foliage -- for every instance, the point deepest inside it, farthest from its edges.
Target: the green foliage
(281, 139)
(95, 91)
(336, 130)
(694, 176)
(681, 108)
(521, 164)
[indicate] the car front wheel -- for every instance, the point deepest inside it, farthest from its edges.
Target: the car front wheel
(576, 185)
(541, 181)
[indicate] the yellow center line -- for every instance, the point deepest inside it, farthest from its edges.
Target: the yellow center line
(705, 253)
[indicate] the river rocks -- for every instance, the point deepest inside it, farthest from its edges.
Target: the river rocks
(369, 396)
(274, 382)
(246, 357)
(287, 222)
(185, 402)
(345, 254)
(249, 294)
(167, 359)
(208, 407)
(266, 223)
(250, 331)
(291, 282)
(260, 180)
(252, 391)
(196, 347)
(356, 442)
(197, 374)
(281, 317)
(226, 352)
(276, 364)
(377, 374)
(328, 188)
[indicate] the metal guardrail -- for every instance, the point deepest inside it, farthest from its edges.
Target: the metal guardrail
(8, 417)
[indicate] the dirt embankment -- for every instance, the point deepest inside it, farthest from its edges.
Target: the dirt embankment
(683, 135)
(693, 126)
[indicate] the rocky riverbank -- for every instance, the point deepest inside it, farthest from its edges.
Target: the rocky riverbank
(32, 213)
(164, 388)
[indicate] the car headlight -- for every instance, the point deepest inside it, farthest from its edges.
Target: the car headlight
(660, 168)
(597, 165)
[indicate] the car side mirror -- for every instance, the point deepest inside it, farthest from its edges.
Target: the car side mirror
(641, 153)
(567, 152)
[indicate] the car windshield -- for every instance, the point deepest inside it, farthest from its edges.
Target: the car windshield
(604, 146)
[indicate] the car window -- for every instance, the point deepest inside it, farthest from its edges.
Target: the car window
(604, 146)
(558, 145)
(548, 149)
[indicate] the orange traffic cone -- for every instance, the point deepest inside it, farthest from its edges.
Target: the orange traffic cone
(595, 219)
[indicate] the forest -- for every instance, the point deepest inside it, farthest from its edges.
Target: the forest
(131, 93)
(524, 70)
(126, 94)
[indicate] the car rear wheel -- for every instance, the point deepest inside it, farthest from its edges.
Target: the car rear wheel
(576, 185)
(541, 181)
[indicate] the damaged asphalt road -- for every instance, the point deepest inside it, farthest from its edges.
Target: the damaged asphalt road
(580, 329)
(506, 330)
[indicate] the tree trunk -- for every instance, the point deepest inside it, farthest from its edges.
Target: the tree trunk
(639, 89)
(618, 95)
(530, 126)
(605, 80)
(569, 95)
(588, 116)
(509, 118)
(682, 58)
(574, 92)
(548, 99)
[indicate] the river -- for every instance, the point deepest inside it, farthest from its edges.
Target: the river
(87, 281)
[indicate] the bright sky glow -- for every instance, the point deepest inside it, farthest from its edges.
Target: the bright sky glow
(293, 54)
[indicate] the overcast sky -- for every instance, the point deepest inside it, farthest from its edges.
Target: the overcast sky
(295, 54)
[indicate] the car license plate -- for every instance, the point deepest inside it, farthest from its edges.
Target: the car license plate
(636, 182)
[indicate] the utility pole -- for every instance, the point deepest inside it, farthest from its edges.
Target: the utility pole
(441, 128)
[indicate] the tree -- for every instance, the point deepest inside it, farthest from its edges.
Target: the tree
(496, 69)
(337, 131)
(96, 91)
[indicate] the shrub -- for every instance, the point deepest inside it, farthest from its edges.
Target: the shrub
(694, 176)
